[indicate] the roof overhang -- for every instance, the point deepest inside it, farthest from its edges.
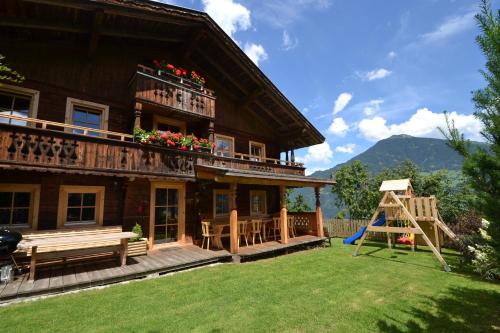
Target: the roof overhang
(221, 175)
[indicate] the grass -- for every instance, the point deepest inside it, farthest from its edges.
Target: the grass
(321, 290)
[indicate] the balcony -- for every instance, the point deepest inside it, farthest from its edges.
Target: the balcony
(172, 93)
(51, 146)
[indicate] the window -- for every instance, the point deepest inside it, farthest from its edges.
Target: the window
(221, 203)
(17, 101)
(86, 114)
(19, 205)
(165, 124)
(80, 205)
(257, 151)
(224, 145)
(258, 205)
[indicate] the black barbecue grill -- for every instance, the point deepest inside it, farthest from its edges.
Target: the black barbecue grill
(8, 243)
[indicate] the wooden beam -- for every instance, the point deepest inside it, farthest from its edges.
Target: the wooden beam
(233, 219)
(191, 45)
(395, 230)
(95, 32)
(251, 97)
(283, 216)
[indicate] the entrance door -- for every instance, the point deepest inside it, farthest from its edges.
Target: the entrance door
(167, 213)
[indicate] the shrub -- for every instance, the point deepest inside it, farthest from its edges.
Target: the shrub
(137, 229)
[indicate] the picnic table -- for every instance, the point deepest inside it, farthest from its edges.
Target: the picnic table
(71, 246)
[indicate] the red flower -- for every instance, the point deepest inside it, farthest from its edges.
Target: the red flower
(184, 148)
(196, 147)
(152, 137)
(170, 66)
(178, 72)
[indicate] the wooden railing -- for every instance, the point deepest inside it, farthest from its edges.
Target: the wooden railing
(170, 91)
(305, 223)
(249, 165)
(48, 144)
(248, 157)
(346, 227)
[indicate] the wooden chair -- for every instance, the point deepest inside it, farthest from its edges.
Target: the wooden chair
(276, 226)
(243, 231)
(207, 233)
(256, 230)
(291, 225)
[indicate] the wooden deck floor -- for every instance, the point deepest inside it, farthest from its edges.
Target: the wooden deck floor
(275, 247)
(73, 276)
(57, 279)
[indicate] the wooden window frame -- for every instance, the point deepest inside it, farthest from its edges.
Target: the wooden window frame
(262, 158)
(214, 202)
(222, 136)
(62, 209)
(34, 189)
(168, 121)
(181, 229)
(72, 102)
(34, 96)
(258, 192)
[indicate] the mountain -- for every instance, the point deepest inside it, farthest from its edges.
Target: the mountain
(427, 153)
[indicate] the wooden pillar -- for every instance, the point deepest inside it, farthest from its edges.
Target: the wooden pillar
(211, 131)
(319, 213)
(137, 113)
(286, 156)
(283, 216)
(292, 157)
(233, 219)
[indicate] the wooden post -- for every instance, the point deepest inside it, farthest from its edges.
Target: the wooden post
(292, 156)
(34, 250)
(283, 216)
(137, 113)
(319, 214)
(233, 220)
(123, 251)
(211, 131)
(286, 157)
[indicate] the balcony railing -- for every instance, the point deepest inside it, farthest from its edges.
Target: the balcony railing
(47, 145)
(171, 92)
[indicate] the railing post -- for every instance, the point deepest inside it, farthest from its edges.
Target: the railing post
(137, 113)
(283, 216)
(211, 131)
(233, 220)
(319, 214)
(292, 156)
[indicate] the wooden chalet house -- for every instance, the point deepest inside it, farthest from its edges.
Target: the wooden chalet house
(68, 155)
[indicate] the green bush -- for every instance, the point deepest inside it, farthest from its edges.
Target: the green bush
(137, 229)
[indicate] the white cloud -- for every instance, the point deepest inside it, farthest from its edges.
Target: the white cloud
(317, 154)
(375, 74)
(341, 102)
(392, 55)
(347, 148)
(422, 123)
(281, 13)
(450, 27)
(231, 16)
(372, 106)
(288, 43)
(338, 127)
(256, 52)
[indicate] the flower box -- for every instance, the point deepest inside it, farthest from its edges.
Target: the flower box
(138, 248)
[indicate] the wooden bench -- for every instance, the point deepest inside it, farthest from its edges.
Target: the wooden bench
(74, 242)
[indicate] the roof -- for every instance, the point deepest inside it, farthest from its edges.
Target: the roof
(395, 185)
(194, 33)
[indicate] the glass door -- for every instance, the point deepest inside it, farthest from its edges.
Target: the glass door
(166, 220)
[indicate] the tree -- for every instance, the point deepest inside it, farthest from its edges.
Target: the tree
(300, 205)
(8, 74)
(482, 166)
(353, 189)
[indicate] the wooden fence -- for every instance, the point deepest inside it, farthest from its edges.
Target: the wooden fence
(345, 228)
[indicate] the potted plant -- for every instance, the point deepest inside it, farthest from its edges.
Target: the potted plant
(138, 246)
(165, 69)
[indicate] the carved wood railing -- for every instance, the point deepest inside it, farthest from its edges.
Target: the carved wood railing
(172, 93)
(246, 165)
(305, 222)
(31, 148)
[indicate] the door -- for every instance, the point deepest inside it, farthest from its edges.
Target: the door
(167, 213)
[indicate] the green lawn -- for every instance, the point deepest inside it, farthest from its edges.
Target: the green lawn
(321, 290)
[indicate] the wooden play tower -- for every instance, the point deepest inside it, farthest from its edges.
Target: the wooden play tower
(409, 215)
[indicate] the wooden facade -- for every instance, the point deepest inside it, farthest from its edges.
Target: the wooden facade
(96, 63)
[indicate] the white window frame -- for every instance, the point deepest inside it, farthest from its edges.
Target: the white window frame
(62, 210)
(70, 106)
(225, 137)
(258, 192)
(34, 96)
(34, 189)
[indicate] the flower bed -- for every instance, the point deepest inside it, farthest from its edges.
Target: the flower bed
(173, 140)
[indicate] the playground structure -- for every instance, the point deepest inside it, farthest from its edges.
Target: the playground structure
(403, 213)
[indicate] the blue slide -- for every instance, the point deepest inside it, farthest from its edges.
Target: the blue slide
(351, 240)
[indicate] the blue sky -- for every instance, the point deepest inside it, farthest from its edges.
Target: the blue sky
(362, 70)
